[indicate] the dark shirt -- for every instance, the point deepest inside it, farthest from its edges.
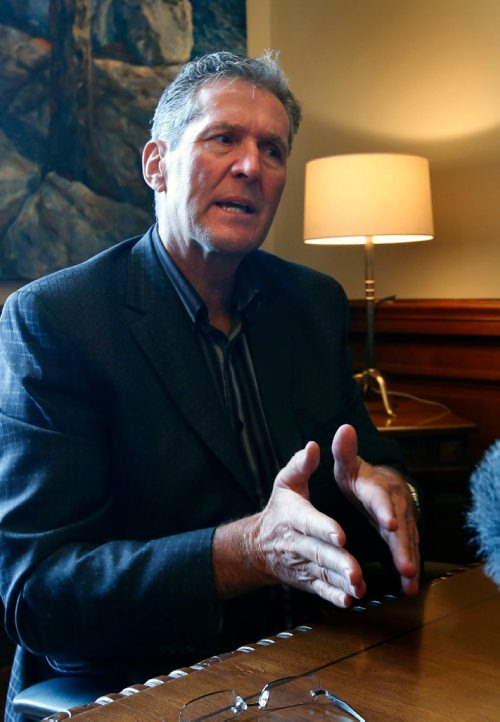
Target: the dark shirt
(230, 362)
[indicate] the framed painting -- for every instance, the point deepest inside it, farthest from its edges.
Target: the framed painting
(79, 81)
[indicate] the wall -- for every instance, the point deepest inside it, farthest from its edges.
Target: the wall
(419, 76)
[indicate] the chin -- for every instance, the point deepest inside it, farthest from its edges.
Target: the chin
(237, 248)
(234, 244)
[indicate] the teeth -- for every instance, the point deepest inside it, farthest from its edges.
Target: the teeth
(235, 207)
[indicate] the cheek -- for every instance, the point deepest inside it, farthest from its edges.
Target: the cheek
(275, 189)
(197, 180)
(181, 192)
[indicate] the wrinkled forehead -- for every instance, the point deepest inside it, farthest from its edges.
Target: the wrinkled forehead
(233, 95)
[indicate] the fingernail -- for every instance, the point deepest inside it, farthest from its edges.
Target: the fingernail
(335, 538)
(347, 601)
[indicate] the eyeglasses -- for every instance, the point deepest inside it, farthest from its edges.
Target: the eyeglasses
(291, 698)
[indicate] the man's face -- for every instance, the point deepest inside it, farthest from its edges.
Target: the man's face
(225, 177)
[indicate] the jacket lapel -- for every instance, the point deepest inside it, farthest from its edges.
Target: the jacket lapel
(166, 335)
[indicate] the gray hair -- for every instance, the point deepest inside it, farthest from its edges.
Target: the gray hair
(177, 105)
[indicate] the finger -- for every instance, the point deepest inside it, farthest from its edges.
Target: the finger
(331, 564)
(345, 455)
(336, 559)
(296, 474)
(325, 590)
(405, 552)
(331, 594)
(311, 523)
(377, 498)
(340, 581)
(410, 579)
(406, 557)
(411, 585)
(325, 583)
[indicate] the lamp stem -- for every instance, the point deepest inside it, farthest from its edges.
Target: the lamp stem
(370, 302)
(371, 376)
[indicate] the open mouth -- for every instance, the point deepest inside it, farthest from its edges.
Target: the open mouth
(236, 207)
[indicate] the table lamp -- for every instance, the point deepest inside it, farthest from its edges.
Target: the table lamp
(368, 198)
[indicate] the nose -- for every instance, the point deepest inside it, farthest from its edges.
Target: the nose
(247, 161)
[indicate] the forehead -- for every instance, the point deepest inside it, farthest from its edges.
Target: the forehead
(237, 101)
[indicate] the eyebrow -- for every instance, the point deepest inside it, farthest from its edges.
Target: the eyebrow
(236, 127)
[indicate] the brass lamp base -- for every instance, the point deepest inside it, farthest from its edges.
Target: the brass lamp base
(372, 379)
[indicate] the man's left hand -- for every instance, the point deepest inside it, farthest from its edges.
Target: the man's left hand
(382, 494)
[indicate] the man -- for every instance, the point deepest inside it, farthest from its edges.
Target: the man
(168, 409)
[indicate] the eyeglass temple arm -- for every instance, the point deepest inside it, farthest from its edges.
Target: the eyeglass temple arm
(339, 702)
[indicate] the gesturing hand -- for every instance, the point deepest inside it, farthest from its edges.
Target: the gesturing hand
(290, 541)
(383, 495)
(298, 545)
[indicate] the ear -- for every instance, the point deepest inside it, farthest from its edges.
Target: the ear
(153, 169)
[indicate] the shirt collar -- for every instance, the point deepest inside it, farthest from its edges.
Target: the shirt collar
(248, 291)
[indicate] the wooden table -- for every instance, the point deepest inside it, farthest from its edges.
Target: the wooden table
(431, 658)
(432, 437)
(435, 445)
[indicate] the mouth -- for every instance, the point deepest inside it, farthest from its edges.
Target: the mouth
(238, 207)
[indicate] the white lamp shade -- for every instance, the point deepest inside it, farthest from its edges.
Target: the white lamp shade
(385, 196)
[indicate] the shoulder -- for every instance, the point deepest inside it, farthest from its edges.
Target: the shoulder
(101, 276)
(85, 273)
(75, 302)
(294, 279)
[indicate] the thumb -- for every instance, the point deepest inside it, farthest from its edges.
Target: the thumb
(346, 461)
(296, 474)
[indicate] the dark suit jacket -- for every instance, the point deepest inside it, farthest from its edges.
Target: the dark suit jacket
(118, 459)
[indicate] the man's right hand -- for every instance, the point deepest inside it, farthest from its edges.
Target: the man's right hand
(289, 542)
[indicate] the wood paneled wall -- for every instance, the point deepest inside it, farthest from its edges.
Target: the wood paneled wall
(443, 350)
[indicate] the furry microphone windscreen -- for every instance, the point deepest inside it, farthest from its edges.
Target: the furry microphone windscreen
(484, 515)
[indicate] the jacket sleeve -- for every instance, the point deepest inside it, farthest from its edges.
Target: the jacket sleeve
(70, 585)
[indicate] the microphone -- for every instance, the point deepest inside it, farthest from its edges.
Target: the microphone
(483, 516)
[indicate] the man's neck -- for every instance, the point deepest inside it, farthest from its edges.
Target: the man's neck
(212, 276)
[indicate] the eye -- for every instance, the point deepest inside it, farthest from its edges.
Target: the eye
(273, 151)
(224, 138)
